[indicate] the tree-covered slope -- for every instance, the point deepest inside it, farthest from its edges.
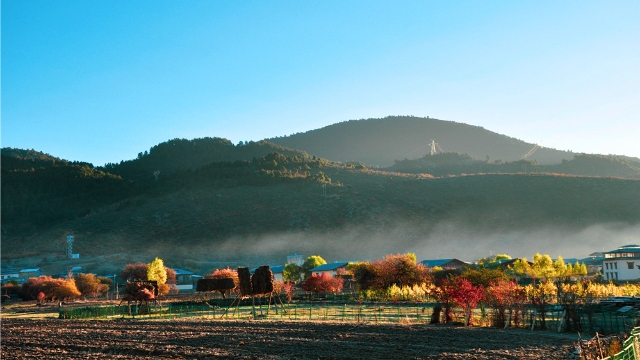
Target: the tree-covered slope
(456, 164)
(217, 215)
(182, 154)
(381, 141)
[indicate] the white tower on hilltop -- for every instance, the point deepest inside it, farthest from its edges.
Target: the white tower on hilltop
(69, 246)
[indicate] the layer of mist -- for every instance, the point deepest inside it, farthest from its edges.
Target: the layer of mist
(445, 240)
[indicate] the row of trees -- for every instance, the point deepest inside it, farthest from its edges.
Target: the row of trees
(154, 271)
(487, 283)
(46, 288)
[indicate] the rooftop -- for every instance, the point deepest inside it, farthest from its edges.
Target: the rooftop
(331, 266)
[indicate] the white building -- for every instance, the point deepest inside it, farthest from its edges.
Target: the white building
(295, 259)
(622, 264)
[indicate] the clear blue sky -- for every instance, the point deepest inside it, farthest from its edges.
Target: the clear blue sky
(101, 81)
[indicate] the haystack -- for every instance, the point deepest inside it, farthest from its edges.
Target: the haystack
(245, 281)
(262, 280)
(217, 284)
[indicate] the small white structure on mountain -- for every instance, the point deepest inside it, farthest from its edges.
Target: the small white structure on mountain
(622, 263)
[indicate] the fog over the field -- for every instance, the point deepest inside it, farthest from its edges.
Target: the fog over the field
(444, 240)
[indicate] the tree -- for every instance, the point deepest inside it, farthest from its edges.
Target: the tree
(400, 270)
(312, 261)
(364, 274)
(466, 295)
(494, 260)
(157, 272)
(225, 273)
(543, 266)
(322, 283)
(484, 276)
(46, 288)
(504, 295)
(134, 271)
(291, 272)
(89, 284)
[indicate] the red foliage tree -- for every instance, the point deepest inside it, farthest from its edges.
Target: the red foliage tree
(322, 283)
(442, 294)
(504, 295)
(466, 295)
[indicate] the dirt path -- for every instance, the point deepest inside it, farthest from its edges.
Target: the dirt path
(206, 339)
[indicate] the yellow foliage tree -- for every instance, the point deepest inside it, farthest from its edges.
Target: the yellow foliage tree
(157, 272)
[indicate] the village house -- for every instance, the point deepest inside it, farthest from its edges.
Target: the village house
(8, 273)
(445, 264)
(332, 269)
(277, 271)
(184, 279)
(30, 273)
(622, 264)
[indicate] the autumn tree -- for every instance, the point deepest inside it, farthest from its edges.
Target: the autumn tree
(400, 270)
(503, 296)
(322, 283)
(442, 294)
(52, 289)
(225, 273)
(89, 284)
(157, 272)
(291, 272)
(466, 295)
(364, 274)
(484, 276)
(312, 261)
(134, 271)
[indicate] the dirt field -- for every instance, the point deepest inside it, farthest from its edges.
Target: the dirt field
(207, 339)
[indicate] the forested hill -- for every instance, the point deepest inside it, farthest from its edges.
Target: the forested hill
(182, 154)
(457, 164)
(381, 141)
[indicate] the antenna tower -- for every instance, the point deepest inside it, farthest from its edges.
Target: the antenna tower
(531, 151)
(435, 147)
(69, 246)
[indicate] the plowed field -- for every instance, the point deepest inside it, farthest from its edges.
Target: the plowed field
(207, 339)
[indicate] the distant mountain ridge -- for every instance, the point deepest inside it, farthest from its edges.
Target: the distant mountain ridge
(381, 141)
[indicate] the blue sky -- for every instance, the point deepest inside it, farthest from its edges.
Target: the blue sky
(101, 81)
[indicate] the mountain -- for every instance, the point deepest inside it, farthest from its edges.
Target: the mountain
(254, 212)
(381, 141)
(208, 201)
